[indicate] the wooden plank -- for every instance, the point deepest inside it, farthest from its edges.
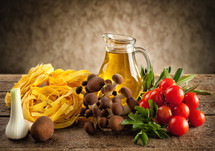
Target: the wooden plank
(74, 138)
(10, 77)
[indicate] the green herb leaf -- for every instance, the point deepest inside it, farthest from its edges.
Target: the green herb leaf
(191, 88)
(185, 79)
(144, 138)
(178, 74)
(202, 92)
(166, 73)
(142, 72)
(161, 77)
(153, 108)
(142, 121)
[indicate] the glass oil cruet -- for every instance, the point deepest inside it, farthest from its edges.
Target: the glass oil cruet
(120, 58)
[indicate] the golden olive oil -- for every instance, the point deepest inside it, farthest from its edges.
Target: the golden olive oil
(122, 63)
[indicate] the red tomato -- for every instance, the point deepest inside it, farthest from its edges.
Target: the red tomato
(197, 118)
(144, 102)
(174, 94)
(192, 100)
(181, 110)
(165, 83)
(178, 125)
(157, 96)
(164, 114)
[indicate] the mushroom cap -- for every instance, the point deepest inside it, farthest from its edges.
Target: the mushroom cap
(82, 111)
(116, 100)
(117, 78)
(105, 103)
(97, 111)
(117, 109)
(90, 99)
(132, 102)
(110, 88)
(95, 84)
(42, 129)
(78, 89)
(103, 122)
(103, 90)
(84, 83)
(126, 92)
(90, 76)
(105, 113)
(86, 89)
(88, 113)
(115, 123)
(89, 128)
(108, 82)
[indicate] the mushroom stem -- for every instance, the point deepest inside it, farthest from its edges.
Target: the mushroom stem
(28, 124)
(126, 109)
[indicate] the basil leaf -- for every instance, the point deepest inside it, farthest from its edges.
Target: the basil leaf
(149, 80)
(178, 74)
(185, 79)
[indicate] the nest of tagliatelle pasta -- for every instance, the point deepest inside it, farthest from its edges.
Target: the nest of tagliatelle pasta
(49, 92)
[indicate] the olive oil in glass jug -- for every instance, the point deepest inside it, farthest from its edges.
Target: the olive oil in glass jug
(120, 58)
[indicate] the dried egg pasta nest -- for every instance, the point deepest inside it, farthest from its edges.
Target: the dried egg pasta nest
(45, 92)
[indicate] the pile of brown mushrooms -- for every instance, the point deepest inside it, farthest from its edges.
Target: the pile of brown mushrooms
(105, 110)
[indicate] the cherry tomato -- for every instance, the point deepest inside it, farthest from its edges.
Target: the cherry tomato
(144, 102)
(165, 83)
(178, 125)
(197, 118)
(164, 114)
(192, 100)
(157, 96)
(174, 94)
(181, 110)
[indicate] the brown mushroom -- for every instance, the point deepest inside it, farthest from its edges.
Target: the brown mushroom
(109, 90)
(103, 122)
(95, 84)
(132, 102)
(82, 111)
(79, 90)
(90, 76)
(105, 113)
(118, 79)
(89, 128)
(90, 99)
(117, 109)
(84, 83)
(105, 103)
(116, 100)
(125, 92)
(42, 129)
(88, 113)
(115, 122)
(96, 111)
(108, 82)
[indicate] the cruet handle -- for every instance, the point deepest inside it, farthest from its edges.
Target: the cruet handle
(146, 55)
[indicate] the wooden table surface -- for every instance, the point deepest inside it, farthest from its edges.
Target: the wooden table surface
(75, 138)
